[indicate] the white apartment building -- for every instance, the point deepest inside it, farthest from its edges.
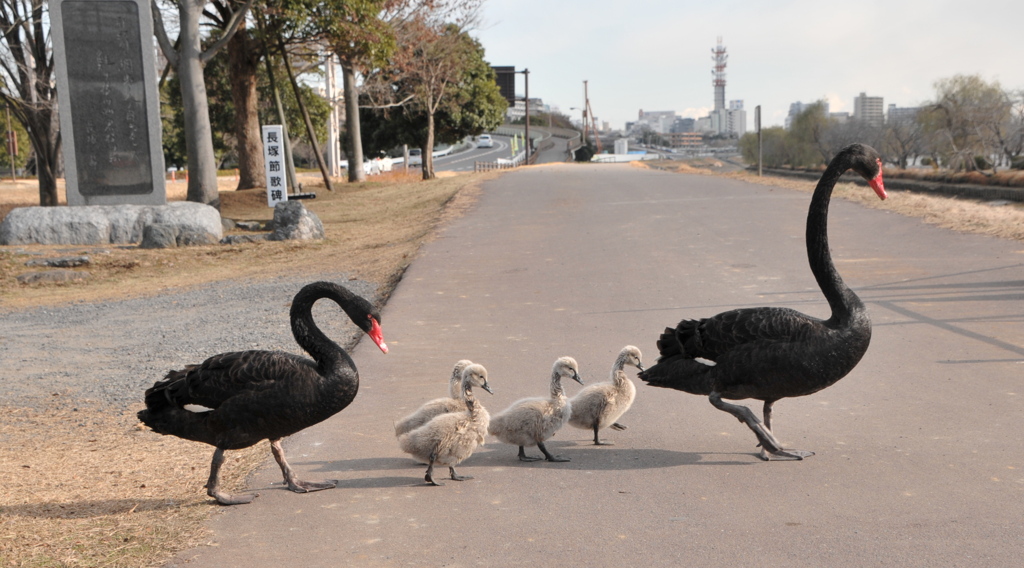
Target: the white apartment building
(869, 109)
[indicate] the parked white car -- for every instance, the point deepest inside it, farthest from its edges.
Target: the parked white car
(484, 141)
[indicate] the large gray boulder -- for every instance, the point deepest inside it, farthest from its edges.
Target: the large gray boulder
(194, 223)
(292, 221)
(159, 235)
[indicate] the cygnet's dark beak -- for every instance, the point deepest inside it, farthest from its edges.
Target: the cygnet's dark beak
(640, 366)
(576, 377)
(486, 387)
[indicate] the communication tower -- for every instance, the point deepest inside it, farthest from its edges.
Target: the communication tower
(719, 56)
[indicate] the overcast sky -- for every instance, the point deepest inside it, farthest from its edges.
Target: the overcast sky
(656, 54)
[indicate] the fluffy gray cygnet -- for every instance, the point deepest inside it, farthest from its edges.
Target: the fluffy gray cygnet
(599, 405)
(531, 421)
(448, 439)
(453, 403)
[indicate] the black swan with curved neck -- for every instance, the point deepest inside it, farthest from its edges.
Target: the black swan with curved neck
(772, 353)
(234, 400)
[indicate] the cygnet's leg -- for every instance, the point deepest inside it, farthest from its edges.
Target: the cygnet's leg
(768, 441)
(457, 477)
(429, 477)
(548, 456)
(597, 441)
(211, 484)
(294, 483)
(526, 458)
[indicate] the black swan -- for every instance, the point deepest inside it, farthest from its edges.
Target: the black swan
(772, 353)
(234, 400)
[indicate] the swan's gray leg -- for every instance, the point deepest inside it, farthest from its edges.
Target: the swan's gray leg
(764, 435)
(457, 477)
(211, 484)
(526, 458)
(294, 483)
(788, 453)
(430, 471)
(767, 413)
(548, 456)
(597, 441)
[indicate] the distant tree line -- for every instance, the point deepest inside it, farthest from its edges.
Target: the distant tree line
(970, 125)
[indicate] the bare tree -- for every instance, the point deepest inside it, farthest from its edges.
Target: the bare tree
(27, 85)
(903, 139)
(188, 60)
(1008, 133)
(961, 119)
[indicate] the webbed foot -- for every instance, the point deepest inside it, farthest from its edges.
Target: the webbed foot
(228, 499)
(457, 477)
(548, 456)
(300, 486)
(526, 458)
(785, 455)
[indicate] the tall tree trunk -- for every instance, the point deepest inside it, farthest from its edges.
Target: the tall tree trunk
(428, 149)
(202, 164)
(352, 131)
(45, 137)
(244, 57)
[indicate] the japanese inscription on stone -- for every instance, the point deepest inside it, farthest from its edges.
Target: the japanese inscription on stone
(108, 107)
(273, 157)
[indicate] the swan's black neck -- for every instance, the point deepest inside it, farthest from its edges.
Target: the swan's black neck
(328, 354)
(844, 303)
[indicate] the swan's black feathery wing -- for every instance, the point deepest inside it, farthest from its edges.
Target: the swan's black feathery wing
(712, 337)
(228, 375)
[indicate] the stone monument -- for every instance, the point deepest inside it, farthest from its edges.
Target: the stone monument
(109, 106)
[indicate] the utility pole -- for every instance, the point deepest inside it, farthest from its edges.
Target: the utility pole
(586, 123)
(589, 112)
(526, 73)
(757, 125)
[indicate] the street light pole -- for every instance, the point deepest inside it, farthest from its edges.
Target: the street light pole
(526, 73)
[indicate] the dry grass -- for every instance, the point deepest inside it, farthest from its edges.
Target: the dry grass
(83, 487)
(963, 215)
(372, 228)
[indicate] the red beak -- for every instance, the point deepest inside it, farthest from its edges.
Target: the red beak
(377, 335)
(876, 182)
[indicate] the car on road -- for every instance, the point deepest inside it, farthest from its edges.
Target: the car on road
(415, 157)
(484, 141)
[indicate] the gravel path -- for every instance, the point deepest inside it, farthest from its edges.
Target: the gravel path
(108, 353)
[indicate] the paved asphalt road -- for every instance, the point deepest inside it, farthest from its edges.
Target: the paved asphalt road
(919, 453)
